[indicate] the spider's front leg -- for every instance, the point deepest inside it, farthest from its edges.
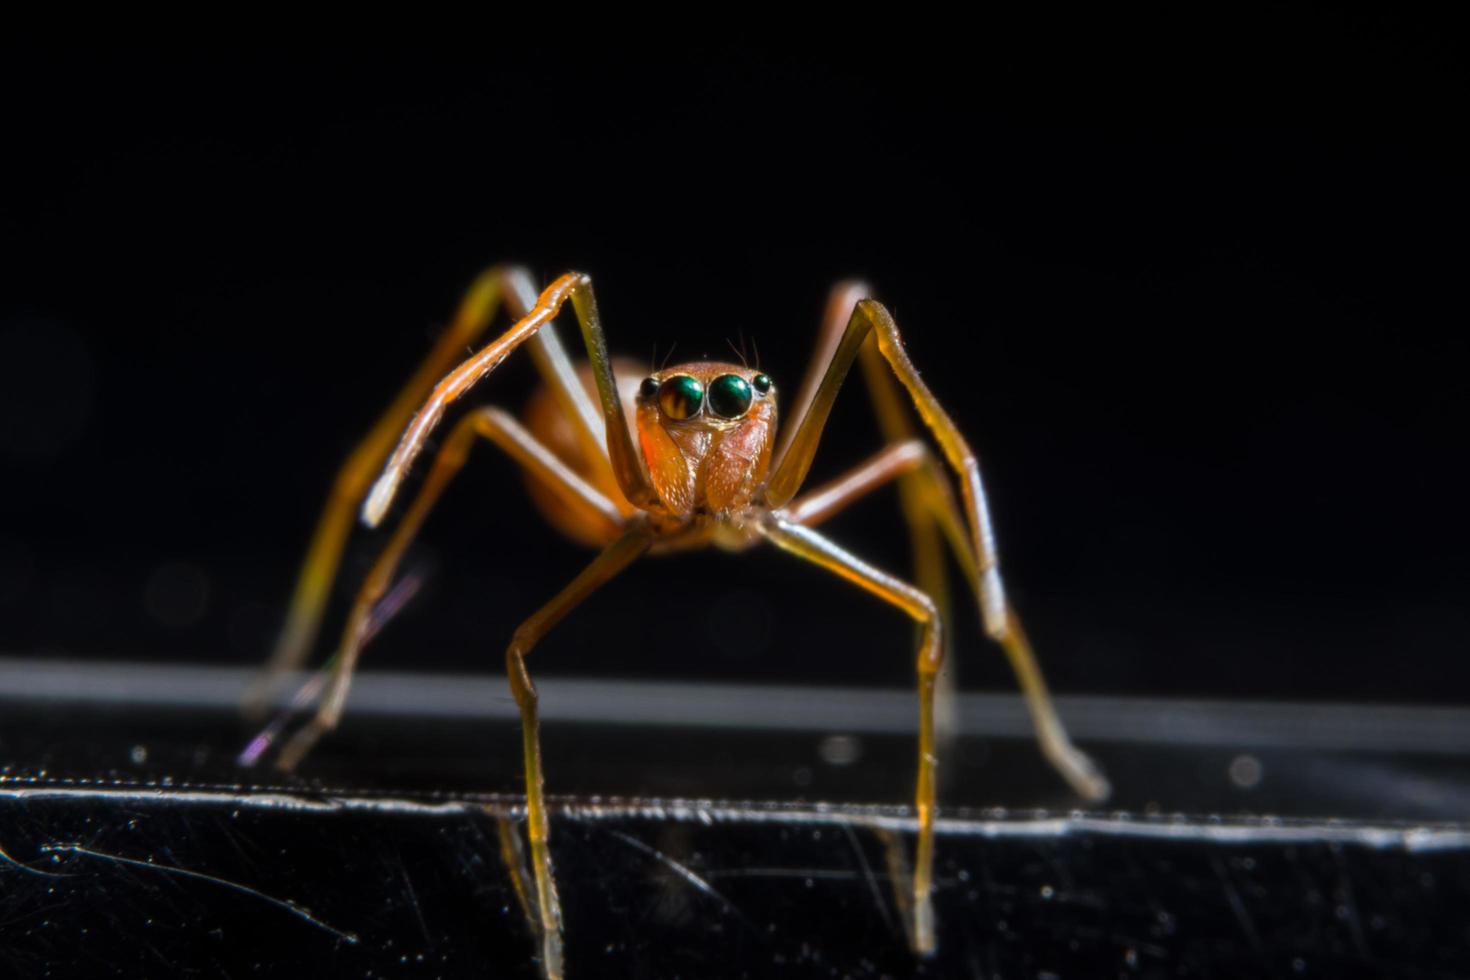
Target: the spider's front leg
(623, 457)
(926, 545)
(499, 287)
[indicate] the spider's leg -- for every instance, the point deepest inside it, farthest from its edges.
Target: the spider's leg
(612, 560)
(927, 549)
(890, 463)
(894, 423)
(572, 399)
(922, 519)
(869, 317)
(513, 856)
(498, 286)
(913, 461)
(808, 544)
(500, 428)
(626, 462)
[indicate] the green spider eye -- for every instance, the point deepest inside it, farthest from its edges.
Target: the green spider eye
(680, 397)
(761, 383)
(729, 396)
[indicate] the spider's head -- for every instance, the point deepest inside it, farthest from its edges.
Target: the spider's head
(706, 431)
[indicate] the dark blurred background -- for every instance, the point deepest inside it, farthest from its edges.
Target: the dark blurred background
(1193, 289)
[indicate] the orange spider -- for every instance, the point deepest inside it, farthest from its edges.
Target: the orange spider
(699, 465)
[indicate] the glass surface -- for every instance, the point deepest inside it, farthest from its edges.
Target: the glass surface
(1242, 839)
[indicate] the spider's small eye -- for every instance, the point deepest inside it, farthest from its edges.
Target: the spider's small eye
(729, 396)
(761, 384)
(648, 388)
(681, 397)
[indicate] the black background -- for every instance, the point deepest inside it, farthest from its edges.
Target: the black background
(1194, 290)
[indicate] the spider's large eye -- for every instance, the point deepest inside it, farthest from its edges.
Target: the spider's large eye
(729, 396)
(681, 397)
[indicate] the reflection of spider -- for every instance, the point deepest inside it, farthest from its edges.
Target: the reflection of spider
(699, 465)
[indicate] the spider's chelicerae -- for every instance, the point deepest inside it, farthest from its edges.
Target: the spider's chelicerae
(699, 464)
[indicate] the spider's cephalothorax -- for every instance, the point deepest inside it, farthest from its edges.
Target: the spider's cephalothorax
(633, 464)
(706, 431)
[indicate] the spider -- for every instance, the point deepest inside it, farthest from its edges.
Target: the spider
(699, 465)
